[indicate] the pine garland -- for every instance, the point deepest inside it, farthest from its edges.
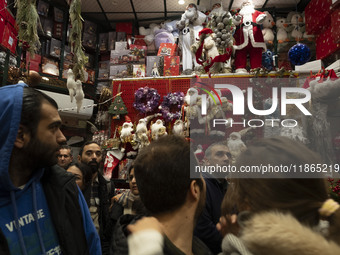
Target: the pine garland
(79, 58)
(28, 19)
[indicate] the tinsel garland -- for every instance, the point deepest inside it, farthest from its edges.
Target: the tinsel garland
(79, 58)
(28, 19)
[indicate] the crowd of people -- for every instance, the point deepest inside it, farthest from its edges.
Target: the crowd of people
(52, 202)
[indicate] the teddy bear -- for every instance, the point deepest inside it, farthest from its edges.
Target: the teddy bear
(267, 31)
(281, 33)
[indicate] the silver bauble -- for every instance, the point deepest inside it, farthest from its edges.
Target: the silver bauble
(220, 25)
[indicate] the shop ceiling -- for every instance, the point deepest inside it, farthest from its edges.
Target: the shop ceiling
(142, 12)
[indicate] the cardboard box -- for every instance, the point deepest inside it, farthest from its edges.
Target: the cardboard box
(167, 49)
(153, 66)
(317, 15)
(118, 71)
(138, 71)
(171, 65)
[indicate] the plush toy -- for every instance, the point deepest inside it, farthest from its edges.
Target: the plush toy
(163, 36)
(248, 37)
(294, 19)
(172, 28)
(71, 84)
(267, 30)
(267, 60)
(189, 26)
(79, 95)
(281, 27)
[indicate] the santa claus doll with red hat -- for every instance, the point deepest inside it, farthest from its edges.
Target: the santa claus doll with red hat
(248, 37)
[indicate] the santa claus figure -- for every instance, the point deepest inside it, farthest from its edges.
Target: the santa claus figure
(158, 130)
(178, 128)
(236, 145)
(190, 25)
(248, 37)
(127, 138)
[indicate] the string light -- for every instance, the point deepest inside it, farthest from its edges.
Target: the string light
(89, 106)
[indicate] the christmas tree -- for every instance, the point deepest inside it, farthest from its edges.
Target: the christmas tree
(118, 107)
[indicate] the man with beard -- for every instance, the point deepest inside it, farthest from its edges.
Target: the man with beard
(42, 210)
(99, 193)
(162, 173)
(217, 154)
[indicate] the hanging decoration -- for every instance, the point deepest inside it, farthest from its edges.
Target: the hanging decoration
(299, 54)
(146, 100)
(171, 101)
(28, 20)
(79, 58)
(118, 107)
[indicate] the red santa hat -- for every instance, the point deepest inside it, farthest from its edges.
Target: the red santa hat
(127, 119)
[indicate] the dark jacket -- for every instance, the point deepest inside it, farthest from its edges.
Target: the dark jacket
(119, 245)
(206, 224)
(198, 247)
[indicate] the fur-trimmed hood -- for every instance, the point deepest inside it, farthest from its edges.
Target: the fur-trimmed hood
(276, 233)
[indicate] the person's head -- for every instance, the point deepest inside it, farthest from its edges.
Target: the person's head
(39, 135)
(91, 154)
(217, 154)
(162, 173)
(132, 180)
(301, 197)
(65, 156)
(83, 174)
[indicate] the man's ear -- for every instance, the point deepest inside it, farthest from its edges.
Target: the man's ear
(22, 137)
(79, 158)
(195, 189)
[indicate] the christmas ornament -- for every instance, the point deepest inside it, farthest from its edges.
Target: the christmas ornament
(299, 54)
(118, 107)
(170, 101)
(79, 58)
(28, 19)
(146, 99)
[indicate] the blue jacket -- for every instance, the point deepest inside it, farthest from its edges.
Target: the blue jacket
(47, 215)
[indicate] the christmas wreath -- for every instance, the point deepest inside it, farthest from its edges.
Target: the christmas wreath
(170, 101)
(146, 99)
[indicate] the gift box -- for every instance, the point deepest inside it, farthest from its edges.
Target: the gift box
(50, 66)
(124, 27)
(118, 71)
(55, 48)
(171, 65)
(90, 27)
(58, 30)
(167, 49)
(335, 19)
(317, 14)
(112, 40)
(122, 57)
(139, 40)
(139, 51)
(10, 32)
(138, 71)
(153, 66)
(325, 44)
(121, 45)
(103, 39)
(33, 62)
(89, 40)
(89, 76)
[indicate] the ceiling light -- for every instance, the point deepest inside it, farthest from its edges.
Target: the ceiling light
(181, 2)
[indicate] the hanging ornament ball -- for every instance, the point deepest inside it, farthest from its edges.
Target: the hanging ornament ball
(219, 19)
(299, 54)
(34, 79)
(220, 25)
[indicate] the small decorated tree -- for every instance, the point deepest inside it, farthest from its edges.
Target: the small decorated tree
(118, 108)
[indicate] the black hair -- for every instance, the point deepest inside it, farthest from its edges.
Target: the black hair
(86, 143)
(87, 173)
(31, 108)
(162, 173)
(66, 147)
